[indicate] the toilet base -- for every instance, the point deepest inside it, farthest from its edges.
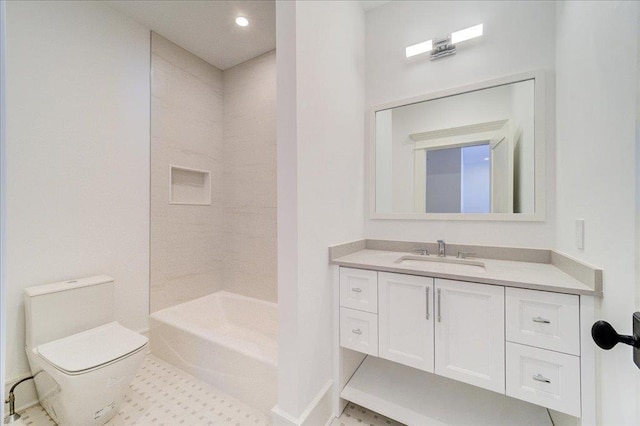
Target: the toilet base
(91, 398)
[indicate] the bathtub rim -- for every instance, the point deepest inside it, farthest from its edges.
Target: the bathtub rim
(209, 335)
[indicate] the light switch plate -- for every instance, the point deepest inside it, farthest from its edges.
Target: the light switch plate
(580, 234)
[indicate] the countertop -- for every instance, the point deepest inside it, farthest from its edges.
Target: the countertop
(508, 273)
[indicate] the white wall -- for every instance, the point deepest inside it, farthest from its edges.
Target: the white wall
(320, 181)
(596, 143)
(519, 37)
(77, 156)
(3, 255)
(384, 161)
(522, 104)
(638, 203)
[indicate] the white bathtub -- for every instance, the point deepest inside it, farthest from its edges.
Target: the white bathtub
(224, 339)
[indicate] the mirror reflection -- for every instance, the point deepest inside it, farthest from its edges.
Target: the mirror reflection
(468, 153)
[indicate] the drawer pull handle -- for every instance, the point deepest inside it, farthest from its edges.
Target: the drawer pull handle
(541, 320)
(540, 378)
(356, 289)
(427, 300)
(439, 310)
(356, 331)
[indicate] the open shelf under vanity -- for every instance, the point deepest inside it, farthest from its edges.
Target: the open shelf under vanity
(416, 397)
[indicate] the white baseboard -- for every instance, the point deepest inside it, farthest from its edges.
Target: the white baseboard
(318, 412)
(25, 393)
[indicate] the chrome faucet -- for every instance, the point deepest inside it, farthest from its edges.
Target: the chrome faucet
(441, 248)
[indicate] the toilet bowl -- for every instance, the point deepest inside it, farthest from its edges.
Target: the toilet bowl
(82, 360)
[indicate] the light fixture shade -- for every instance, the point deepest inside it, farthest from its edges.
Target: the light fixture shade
(416, 49)
(467, 34)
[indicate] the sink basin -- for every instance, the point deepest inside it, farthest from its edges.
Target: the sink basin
(442, 264)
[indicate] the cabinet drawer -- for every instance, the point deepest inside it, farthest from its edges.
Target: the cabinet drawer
(543, 377)
(359, 289)
(359, 331)
(543, 319)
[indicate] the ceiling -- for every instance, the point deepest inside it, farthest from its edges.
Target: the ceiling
(367, 5)
(207, 28)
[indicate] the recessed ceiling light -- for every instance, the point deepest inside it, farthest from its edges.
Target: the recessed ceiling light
(242, 21)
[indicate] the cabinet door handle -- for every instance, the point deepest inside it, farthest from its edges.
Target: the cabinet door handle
(439, 310)
(356, 289)
(541, 320)
(356, 331)
(540, 378)
(427, 300)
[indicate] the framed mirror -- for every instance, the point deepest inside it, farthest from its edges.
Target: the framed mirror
(471, 153)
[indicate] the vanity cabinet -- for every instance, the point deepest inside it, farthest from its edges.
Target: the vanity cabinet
(406, 320)
(543, 377)
(359, 289)
(359, 331)
(459, 333)
(469, 333)
(543, 348)
(517, 342)
(543, 319)
(358, 310)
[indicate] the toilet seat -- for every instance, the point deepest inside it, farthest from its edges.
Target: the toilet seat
(91, 349)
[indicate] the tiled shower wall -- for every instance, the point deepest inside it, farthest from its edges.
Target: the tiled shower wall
(250, 177)
(225, 123)
(186, 242)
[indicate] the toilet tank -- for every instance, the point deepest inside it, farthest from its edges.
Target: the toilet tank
(57, 310)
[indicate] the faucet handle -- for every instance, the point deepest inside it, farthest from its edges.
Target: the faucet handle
(422, 251)
(465, 254)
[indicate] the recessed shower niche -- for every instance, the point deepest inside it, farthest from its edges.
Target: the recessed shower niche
(189, 186)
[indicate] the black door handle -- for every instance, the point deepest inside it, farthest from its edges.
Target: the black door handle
(606, 336)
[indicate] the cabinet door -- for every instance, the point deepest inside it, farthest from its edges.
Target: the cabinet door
(405, 317)
(469, 329)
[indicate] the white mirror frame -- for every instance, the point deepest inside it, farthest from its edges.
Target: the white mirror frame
(539, 215)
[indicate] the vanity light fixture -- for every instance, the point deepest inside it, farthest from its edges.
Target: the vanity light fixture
(242, 21)
(444, 46)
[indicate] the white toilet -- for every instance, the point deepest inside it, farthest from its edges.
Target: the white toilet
(82, 359)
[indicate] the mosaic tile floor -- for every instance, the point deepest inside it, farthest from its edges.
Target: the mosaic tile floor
(162, 394)
(355, 415)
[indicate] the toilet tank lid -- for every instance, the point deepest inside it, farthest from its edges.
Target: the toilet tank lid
(40, 290)
(91, 348)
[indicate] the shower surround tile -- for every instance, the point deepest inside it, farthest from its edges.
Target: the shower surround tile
(223, 122)
(250, 178)
(186, 253)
